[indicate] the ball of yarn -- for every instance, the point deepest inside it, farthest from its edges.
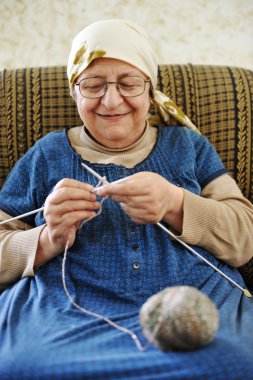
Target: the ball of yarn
(179, 318)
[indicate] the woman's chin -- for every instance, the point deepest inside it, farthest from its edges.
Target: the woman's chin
(117, 140)
(117, 143)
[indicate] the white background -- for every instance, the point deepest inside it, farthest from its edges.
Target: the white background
(39, 32)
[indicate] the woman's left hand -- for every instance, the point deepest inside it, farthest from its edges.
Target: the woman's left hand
(148, 198)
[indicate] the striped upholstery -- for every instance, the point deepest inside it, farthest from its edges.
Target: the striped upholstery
(218, 99)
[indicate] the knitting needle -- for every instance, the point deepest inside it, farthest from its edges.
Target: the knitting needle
(111, 183)
(104, 181)
(23, 215)
(245, 291)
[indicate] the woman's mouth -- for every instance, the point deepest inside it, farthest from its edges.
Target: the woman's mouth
(114, 116)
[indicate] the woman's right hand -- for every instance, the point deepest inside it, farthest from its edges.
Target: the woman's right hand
(65, 208)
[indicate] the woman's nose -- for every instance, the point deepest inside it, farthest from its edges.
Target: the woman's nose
(112, 97)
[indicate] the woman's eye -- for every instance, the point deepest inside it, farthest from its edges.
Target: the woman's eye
(94, 88)
(127, 85)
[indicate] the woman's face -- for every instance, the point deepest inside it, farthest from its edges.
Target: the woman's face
(113, 120)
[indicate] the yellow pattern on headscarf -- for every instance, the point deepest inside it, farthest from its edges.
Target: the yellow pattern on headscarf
(167, 107)
(79, 56)
(128, 42)
(96, 54)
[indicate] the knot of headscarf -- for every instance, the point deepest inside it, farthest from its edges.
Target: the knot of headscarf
(128, 42)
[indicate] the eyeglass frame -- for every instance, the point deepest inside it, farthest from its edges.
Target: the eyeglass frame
(117, 86)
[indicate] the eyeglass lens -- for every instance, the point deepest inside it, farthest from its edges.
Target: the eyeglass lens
(127, 86)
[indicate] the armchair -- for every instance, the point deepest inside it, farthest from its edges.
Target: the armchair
(218, 99)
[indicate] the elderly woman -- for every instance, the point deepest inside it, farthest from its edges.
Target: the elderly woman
(120, 257)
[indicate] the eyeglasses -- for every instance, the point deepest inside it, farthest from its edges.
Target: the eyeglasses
(95, 87)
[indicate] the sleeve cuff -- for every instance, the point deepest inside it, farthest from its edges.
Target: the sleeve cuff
(200, 215)
(20, 251)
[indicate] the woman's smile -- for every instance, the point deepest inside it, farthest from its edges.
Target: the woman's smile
(114, 116)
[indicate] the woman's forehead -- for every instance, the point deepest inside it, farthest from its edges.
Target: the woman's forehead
(106, 66)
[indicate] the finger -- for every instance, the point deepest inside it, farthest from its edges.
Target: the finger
(126, 188)
(76, 205)
(62, 194)
(69, 206)
(140, 221)
(133, 211)
(69, 220)
(111, 189)
(142, 215)
(136, 201)
(135, 216)
(68, 182)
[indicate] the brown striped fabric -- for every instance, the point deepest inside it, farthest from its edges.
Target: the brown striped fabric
(218, 99)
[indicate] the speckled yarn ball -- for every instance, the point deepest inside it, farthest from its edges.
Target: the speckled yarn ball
(188, 319)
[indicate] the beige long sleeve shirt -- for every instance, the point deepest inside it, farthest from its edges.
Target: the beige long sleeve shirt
(220, 220)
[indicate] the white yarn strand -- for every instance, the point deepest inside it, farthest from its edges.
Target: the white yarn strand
(93, 314)
(96, 315)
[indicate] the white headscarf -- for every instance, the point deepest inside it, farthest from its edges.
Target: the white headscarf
(128, 42)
